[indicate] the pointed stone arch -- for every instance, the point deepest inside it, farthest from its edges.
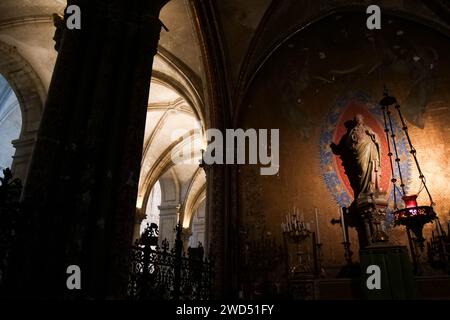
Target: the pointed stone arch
(31, 95)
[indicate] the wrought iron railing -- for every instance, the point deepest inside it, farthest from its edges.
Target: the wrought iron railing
(10, 217)
(161, 273)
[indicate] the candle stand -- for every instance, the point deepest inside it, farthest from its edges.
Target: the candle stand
(295, 232)
(300, 272)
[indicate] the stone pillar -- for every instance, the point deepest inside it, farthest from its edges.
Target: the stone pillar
(222, 236)
(24, 149)
(186, 233)
(168, 219)
(208, 219)
(138, 218)
(198, 232)
(216, 222)
(81, 190)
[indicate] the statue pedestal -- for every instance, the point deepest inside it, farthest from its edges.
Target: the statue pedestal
(368, 215)
(396, 273)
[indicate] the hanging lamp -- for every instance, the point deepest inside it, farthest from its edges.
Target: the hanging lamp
(411, 215)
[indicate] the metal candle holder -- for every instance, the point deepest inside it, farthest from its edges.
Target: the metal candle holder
(413, 216)
(296, 231)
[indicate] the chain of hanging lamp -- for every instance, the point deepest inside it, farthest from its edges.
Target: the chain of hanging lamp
(393, 179)
(386, 103)
(413, 151)
(387, 130)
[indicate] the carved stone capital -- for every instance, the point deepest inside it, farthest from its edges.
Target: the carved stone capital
(369, 211)
(186, 233)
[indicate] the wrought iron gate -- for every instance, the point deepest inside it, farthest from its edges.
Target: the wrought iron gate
(158, 272)
(10, 217)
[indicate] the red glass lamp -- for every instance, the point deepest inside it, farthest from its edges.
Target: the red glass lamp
(410, 201)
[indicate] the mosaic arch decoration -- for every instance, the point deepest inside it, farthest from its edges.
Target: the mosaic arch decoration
(333, 129)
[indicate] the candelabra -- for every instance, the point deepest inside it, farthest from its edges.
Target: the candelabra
(296, 231)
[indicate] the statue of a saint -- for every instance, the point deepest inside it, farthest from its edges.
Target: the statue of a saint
(360, 152)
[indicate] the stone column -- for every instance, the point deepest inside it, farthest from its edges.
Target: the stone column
(216, 222)
(24, 149)
(186, 233)
(80, 195)
(198, 229)
(168, 219)
(138, 218)
(222, 236)
(208, 220)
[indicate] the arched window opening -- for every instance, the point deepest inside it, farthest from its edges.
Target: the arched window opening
(10, 124)
(198, 227)
(152, 210)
